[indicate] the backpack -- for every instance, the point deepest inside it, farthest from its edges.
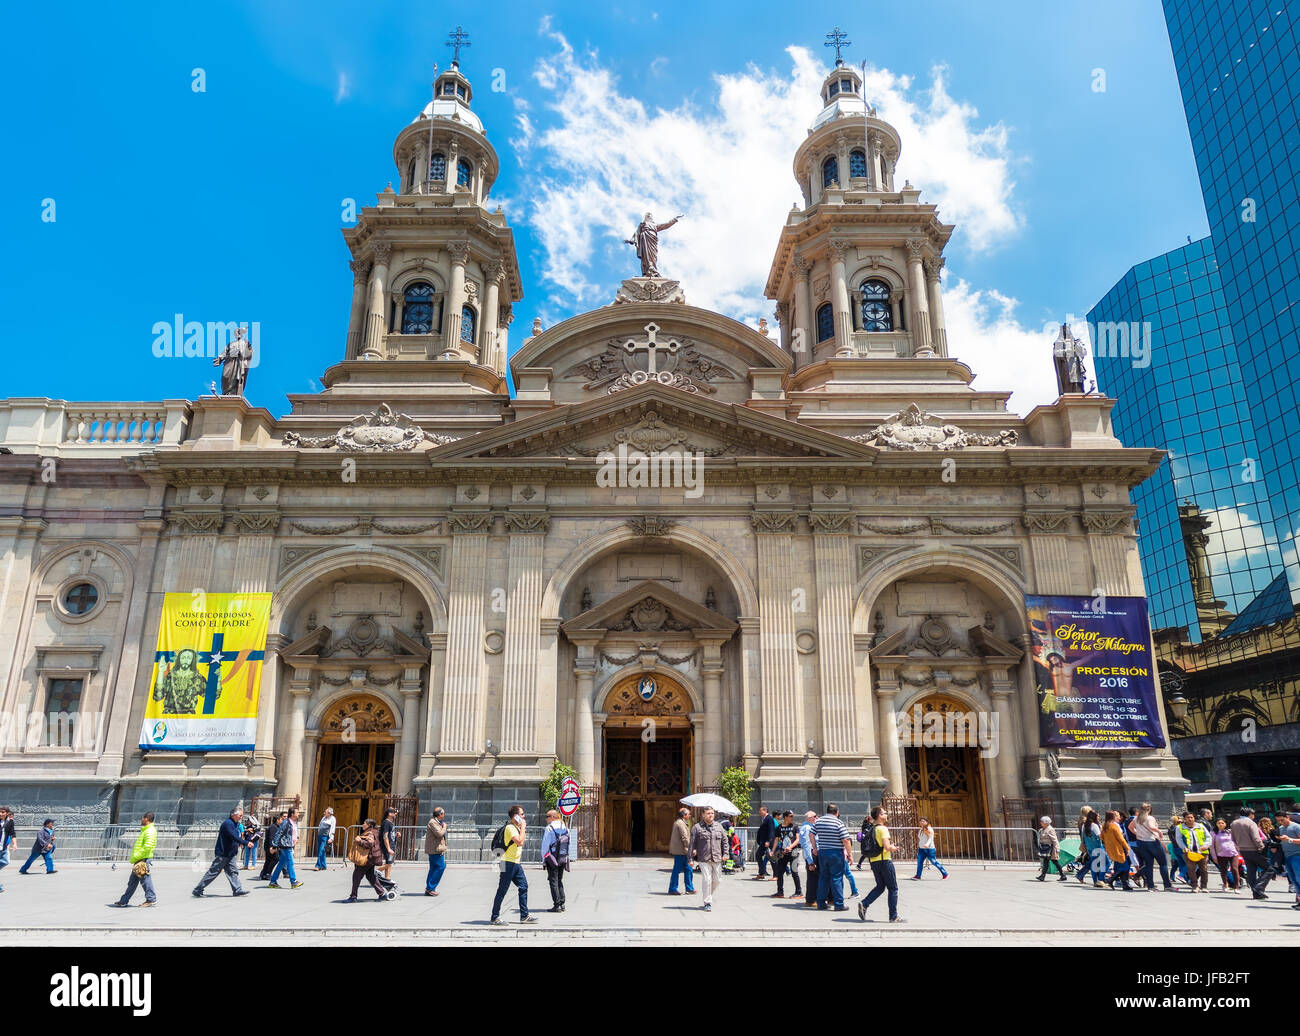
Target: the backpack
(560, 847)
(498, 846)
(870, 846)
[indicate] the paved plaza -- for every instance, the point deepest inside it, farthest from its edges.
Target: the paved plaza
(624, 903)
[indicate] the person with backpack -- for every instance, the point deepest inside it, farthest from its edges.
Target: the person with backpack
(881, 859)
(366, 854)
(435, 847)
(141, 855)
(509, 842)
(555, 857)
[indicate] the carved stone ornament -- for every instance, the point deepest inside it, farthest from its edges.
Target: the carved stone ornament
(904, 527)
(970, 528)
(646, 615)
(676, 363)
(527, 521)
(472, 521)
(1104, 522)
(773, 521)
(358, 715)
(914, 429)
(650, 289)
(325, 528)
(380, 431)
(202, 521)
(1046, 521)
(651, 525)
(831, 522)
(255, 522)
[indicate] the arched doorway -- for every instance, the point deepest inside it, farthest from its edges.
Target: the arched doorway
(944, 770)
(647, 766)
(354, 762)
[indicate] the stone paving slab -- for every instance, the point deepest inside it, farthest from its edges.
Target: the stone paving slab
(622, 902)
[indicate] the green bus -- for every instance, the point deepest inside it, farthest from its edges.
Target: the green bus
(1264, 801)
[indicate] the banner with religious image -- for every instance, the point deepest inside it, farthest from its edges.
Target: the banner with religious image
(206, 673)
(1094, 674)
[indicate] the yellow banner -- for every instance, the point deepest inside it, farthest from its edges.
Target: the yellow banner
(206, 672)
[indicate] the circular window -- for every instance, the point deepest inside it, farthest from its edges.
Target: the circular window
(80, 599)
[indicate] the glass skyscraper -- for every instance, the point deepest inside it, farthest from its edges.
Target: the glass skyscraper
(1204, 519)
(1238, 65)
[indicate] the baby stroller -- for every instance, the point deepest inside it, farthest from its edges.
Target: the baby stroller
(388, 887)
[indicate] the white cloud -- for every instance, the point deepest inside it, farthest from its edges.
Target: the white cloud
(342, 89)
(599, 158)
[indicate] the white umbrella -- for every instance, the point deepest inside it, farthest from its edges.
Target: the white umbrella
(707, 800)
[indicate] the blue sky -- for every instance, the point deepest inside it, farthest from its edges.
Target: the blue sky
(226, 204)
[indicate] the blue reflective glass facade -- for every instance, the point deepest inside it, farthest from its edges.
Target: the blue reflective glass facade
(1238, 65)
(1180, 388)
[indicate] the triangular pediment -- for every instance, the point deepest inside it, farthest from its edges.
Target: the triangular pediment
(654, 417)
(650, 607)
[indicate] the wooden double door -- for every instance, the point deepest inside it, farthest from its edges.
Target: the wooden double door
(643, 787)
(948, 784)
(355, 779)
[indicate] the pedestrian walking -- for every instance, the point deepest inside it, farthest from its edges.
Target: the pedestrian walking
(435, 847)
(882, 866)
(834, 850)
(766, 842)
(366, 855)
(679, 845)
(1250, 843)
(268, 842)
(925, 850)
(1117, 849)
(1177, 861)
(1150, 845)
(1289, 836)
(324, 837)
(786, 855)
(555, 857)
(1194, 843)
(230, 839)
(285, 838)
(42, 848)
(7, 836)
(1273, 845)
(1092, 854)
(1223, 850)
(808, 846)
(512, 869)
(1049, 850)
(141, 858)
(252, 835)
(388, 836)
(863, 847)
(709, 848)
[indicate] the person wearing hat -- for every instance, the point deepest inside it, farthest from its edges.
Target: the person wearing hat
(1250, 843)
(1289, 836)
(1194, 843)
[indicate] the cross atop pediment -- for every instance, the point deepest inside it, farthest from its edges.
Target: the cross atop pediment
(652, 345)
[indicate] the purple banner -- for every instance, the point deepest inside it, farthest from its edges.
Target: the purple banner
(1094, 674)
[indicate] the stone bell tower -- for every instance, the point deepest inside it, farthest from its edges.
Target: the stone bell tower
(434, 265)
(856, 272)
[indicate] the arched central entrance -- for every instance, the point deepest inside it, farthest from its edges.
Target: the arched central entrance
(355, 759)
(647, 766)
(944, 769)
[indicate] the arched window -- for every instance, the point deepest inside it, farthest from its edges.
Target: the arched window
(876, 314)
(830, 171)
(438, 168)
(467, 318)
(825, 322)
(464, 173)
(834, 88)
(417, 309)
(857, 164)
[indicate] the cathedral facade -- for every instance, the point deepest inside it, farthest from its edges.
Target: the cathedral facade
(682, 544)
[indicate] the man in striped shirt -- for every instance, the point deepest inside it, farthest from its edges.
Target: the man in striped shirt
(833, 849)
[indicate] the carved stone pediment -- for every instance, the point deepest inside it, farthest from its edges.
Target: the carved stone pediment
(650, 289)
(649, 606)
(648, 614)
(625, 363)
(914, 429)
(380, 431)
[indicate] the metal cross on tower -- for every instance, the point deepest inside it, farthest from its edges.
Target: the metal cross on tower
(456, 40)
(838, 40)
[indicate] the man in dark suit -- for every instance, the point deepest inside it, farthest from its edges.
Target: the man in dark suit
(766, 837)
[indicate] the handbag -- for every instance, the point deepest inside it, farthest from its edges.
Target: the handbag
(141, 868)
(359, 854)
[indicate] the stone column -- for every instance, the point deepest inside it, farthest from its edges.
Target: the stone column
(295, 739)
(1008, 752)
(891, 751)
(873, 160)
(458, 252)
(584, 732)
(505, 318)
(357, 315)
(710, 735)
(803, 314)
(783, 322)
(921, 343)
(494, 273)
(833, 551)
(311, 752)
(524, 584)
(268, 702)
(782, 704)
(842, 157)
(453, 156)
(376, 317)
(408, 749)
(932, 267)
(421, 168)
(465, 690)
(840, 300)
(895, 311)
(253, 552)
(433, 704)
